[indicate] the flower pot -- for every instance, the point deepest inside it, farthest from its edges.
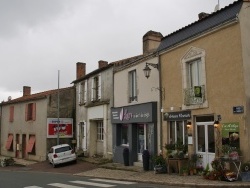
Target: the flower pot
(245, 176)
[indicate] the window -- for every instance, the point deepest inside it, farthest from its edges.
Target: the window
(31, 144)
(194, 79)
(9, 143)
(124, 132)
(96, 88)
(132, 86)
(83, 92)
(11, 117)
(100, 131)
(194, 73)
(178, 132)
(30, 112)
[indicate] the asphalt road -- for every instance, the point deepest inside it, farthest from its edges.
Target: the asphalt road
(69, 168)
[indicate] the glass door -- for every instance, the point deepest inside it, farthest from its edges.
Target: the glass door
(141, 140)
(205, 143)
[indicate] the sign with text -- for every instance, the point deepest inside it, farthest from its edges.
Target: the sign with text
(238, 109)
(177, 116)
(135, 113)
(64, 127)
(229, 128)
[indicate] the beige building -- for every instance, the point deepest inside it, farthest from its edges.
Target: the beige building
(29, 123)
(205, 69)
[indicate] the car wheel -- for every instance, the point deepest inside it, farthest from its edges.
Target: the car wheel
(53, 164)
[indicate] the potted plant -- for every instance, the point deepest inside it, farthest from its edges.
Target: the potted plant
(159, 164)
(184, 170)
(226, 148)
(245, 171)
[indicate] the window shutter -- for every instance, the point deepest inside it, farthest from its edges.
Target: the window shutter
(34, 112)
(92, 89)
(85, 91)
(99, 87)
(11, 115)
(26, 112)
(79, 93)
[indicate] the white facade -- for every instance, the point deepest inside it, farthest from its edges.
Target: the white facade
(94, 131)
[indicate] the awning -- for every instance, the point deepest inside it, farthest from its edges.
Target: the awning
(31, 144)
(9, 142)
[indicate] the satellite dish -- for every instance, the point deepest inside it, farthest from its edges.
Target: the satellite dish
(9, 98)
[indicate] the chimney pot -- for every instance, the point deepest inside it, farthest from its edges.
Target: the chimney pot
(151, 41)
(80, 70)
(102, 63)
(26, 91)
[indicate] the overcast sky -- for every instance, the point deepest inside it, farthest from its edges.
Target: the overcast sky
(40, 37)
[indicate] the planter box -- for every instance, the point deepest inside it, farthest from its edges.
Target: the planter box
(245, 176)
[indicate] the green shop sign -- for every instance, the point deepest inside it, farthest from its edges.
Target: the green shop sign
(229, 128)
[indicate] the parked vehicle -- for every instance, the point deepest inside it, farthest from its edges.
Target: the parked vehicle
(60, 154)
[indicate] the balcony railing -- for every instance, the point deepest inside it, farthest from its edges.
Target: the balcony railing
(194, 96)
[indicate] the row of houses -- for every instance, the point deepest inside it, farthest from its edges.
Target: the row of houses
(175, 91)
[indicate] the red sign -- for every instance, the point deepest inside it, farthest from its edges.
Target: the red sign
(64, 128)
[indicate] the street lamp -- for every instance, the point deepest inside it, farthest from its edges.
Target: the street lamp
(147, 70)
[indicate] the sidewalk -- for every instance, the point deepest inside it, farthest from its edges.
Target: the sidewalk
(118, 171)
(130, 173)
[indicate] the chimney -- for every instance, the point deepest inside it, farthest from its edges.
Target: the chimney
(26, 91)
(80, 70)
(151, 41)
(202, 15)
(102, 63)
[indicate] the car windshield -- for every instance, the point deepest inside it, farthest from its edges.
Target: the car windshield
(62, 149)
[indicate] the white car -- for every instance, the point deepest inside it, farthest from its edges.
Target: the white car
(60, 154)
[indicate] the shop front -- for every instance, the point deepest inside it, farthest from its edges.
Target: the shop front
(135, 128)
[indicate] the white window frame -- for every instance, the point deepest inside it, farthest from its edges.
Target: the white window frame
(194, 54)
(100, 131)
(184, 133)
(133, 86)
(85, 91)
(96, 88)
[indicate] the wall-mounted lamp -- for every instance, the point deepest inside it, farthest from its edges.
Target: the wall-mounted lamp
(189, 124)
(216, 124)
(147, 70)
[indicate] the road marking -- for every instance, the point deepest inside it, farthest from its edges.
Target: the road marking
(32, 187)
(92, 184)
(64, 185)
(113, 181)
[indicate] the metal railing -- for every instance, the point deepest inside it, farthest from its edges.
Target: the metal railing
(194, 95)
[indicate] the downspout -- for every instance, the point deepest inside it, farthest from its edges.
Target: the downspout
(160, 98)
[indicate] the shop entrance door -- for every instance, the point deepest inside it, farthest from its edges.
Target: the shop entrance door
(205, 142)
(141, 140)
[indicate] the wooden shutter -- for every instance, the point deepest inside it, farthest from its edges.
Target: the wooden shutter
(31, 144)
(11, 114)
(92, 89)
(99, 87)
(9, 142)
(34, 111)
(79, 93)
(26, 112)
(85, 91)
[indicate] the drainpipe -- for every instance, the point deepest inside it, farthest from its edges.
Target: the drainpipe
(160, 98)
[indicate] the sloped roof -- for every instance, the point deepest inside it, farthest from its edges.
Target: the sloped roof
(94, 72)
(215, 19)
(35, 96)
